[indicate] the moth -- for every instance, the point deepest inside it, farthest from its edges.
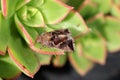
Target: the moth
(60, 39)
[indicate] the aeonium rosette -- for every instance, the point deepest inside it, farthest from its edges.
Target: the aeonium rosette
(22, 21)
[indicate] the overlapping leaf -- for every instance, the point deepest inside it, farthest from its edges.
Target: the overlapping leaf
(112, 31)
(103, 6)
(7, 9)
(93, 47)
(106, 27)
(31, 16)
(50, 12)
(74, 23)
(79, 62)
(30, 38)
(4, 33)
(87, 9)
(74, 3)
(8, 69)
(22, 55)
(96, 43)
(36, 3)
(44, 59)
(59, 61)
(21, 3)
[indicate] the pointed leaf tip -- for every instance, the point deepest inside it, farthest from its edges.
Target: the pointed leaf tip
(8, 70)
(4, 7)
(58, 7)
(80, 63)
(18, 51)
(94, 47)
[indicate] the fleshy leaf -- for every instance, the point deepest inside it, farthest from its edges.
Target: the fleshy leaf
(39, 48)
(22, 55)
(94, 48)
(8, 69)
(106, 27)
(21, 3)
(112, 33)
(115, 11)
(74, 23)
(50, 12)
(74, 3)
(44, 59)
(103, 6)
(8, 9)
(80, 63)
(97, 23)
(30, 35)
(31, 16)
(59, 60)
(36, 3)
(87, 9)
(4, 33)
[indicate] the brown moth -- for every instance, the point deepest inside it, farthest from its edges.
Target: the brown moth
(59, 39)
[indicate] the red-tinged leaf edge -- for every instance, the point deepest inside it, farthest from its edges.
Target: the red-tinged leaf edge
(2, 53)
(80, 71)
(116, 19)
(45, 52)
(26, 1)
(99, 15)
(84, 4)
(86, 28)
(77, 13)
(22, 66)
(30, 41)
(4, 7)
(26, 34)
(56, 61)
(65, 5)
(103, 61)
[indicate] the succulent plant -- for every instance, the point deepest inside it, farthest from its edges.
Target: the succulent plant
(91, 23)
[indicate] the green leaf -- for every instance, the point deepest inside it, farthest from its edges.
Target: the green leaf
(74, 23)
(7, 9)
(21, 3)
(25, 34)
(93, 47)
(51, 8)
(59, 60)
(36, 3)
(87, 9)
(103, 6)
(8, 69)
(0, 5)
(39, 48)
(31, 16)
(115, 11)
(97, 23)
(75, 3)
(80, 63)
(22, 55)
(4, 33)
(112, 33)
(44, 59)
(30, 35)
